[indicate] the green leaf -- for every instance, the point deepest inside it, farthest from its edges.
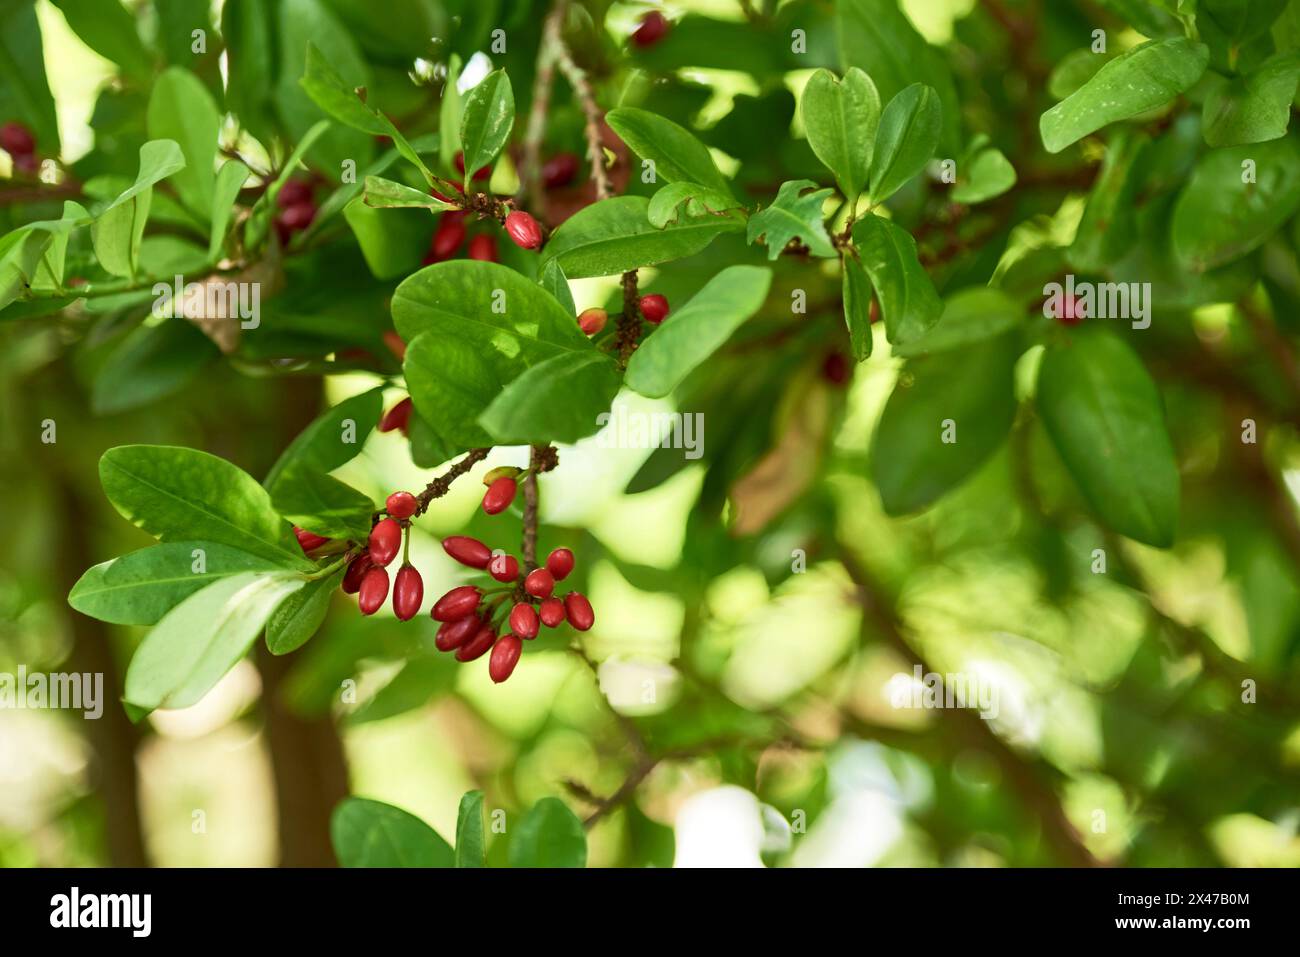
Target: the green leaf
(910, 127)
(1109, 224)
(1074, 70)
(452, 384)
(615, 235)
(550, 835)
(109, 29)
(695, 331)
(383, 193)
(485, 121)
(247, 30)
(676, 153)
(908, 303)
(202, 638)
(373, 834)
(301, 614)
(680, 202)
(142, 586)
(471, 851)
(322, 504)
(1218, 218)
(551, 278)
(119, 229)
(179, 494)
(1142, 79)
(182, 109)
(449, 111)
(153, 361)
(559, 400)
(421, 679)
(1253, 108)
(987, 175)
(1105, 417)
(969, 316)
(393, 242)
(225, 192)
(841, 118)
(857, 307)
(967, 394)
(792, 217)
(334, 438)
(25, 92)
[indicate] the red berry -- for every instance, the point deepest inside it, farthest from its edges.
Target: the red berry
(27, 163)
(293, 193)
(357, 568)
(835, 368)
(591, 321)
(524, 230)
(482, 173)
(505, 655)
(559, 170)
(483, 248)
(578, 610)
(523, 620)
(374, 589)
(17, 140)
(460, 601)
(467, 551)
(653, 28)
(385, 540)
(873, 314)
(298, 216)
(654, 307)
(448, 236)
(539, 583)
(408, 593)
(477, 646)
(397, 417)
(401, 504)
(499, 495)
(559, 563)
(501, 471)
(552, 612)
(453, 634)
(308, 540)
(504, 568)
(396, 344)
(446, 199)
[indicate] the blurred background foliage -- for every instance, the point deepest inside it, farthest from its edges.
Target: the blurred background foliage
(724, 709)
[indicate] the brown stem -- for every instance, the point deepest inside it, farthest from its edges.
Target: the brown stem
(628, 332)
(547, 54)
(577, 78)
(440, 486)
(530, 511)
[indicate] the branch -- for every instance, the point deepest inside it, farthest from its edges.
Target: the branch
(547, 55)
(577, 78)
(440, 486)
(628, 332)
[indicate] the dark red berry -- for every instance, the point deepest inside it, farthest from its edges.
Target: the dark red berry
(460, 601)
(385, 540)
(835, 368)
(483, 248)
(374, 589)
(559, 170)
(559, 563)
(357, 568)
(297, 217)
(448, 236)
(408, 593)
(293, 193)
(397, 417)
(551, 612)
(479, 174)
(401, 504)
(467, 551)
(578, 610)
(453, 634)
(523, 620)
(591, 321)
(539, 583)
(477, 646)
(499, 495)
(17, 140)
(505, 655)
(26, 163)
(654, 307)
(504, 568)
(653, 28)
(308, 540)
(524, 230)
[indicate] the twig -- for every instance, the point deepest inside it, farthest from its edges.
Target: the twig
(629, 320)
(439, 486)
(577, 78)
(530, 513)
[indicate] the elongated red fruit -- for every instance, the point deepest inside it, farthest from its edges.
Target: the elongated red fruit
(357, 568)
(539, 583)
(504, 568)
(483, 248)
(374, 589)
(453, 634)
(477, 646)
(401, 505)
(524, 230)
(294, 192)
(397, 417)
(499, 495)
(654, 307)
(559, 170)
(309, 540)
(467, 551)
(578, 610)
(16, 139)
(591, 321)
(505, 655)
(523, 620)
(447, 237)
(501, 471)
(385, 540)
(552, 612)
(408, 593)
(457, 603)
(653, 28)
(559, 563)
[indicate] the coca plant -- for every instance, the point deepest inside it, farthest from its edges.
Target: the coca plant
(1006, 306)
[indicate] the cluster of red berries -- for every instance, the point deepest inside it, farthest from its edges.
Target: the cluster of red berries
(450, 235)
(18, 142)
(297, 209)
(654, 308)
